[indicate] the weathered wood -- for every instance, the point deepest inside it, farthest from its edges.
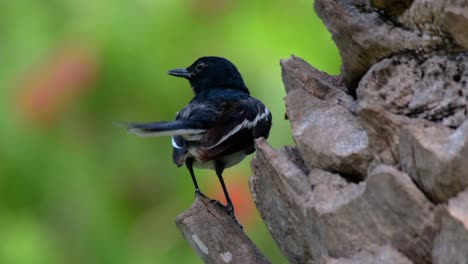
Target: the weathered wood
(390, 210)
(391, 7)
(278, 188)
(436, 158)
(383, 129)
(455, 20)
(298, 74)
(364, 36)
(333, 207)
(329, 216)
(451, 243)
(377, 254)
(215, 235)
(317, 108)
(433, 88)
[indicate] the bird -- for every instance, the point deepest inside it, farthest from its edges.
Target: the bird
(218, 127)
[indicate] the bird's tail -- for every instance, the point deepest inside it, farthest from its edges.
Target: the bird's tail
(177, 127)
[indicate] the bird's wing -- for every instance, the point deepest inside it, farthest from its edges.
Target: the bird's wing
(245, 114)
(201, 112)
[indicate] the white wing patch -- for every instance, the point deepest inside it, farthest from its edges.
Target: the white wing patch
(244, 124)
(174, 144)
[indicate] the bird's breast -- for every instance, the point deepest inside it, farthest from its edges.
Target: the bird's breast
(230, 160)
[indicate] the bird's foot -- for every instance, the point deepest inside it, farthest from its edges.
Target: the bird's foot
(218, 203)
(229, 209)
(199, 193)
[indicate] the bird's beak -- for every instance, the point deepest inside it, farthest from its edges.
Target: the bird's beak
(182, 72)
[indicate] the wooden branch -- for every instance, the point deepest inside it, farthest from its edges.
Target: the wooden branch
(215, 235)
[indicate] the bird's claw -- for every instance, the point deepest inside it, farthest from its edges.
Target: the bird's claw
(199, 193)
(218, 203)
(229, 209)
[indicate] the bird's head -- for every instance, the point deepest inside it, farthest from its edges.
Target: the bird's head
(211, 72)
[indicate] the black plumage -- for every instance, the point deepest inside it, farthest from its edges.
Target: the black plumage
(217, 128)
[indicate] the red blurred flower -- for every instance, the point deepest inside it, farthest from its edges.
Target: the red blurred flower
(51, 86)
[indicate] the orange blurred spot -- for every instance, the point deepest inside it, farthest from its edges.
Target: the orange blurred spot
(239, 192)
(51, 86)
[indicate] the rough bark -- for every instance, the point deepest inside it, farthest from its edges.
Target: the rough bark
(381, 148)
(451, 243)
(215, 235)
(435, 157)
(455, 20)
(365, 36)
(432, 88)
(380, 254)
(319, 213)
(330, 116)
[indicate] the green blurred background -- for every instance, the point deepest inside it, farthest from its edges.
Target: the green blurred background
(76, 189)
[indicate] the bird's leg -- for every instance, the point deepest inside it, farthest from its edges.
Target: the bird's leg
(219, 168)
(189, 165)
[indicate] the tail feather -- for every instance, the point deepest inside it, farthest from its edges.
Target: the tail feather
(178, 127)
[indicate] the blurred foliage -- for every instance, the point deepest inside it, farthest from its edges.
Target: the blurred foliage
(76, 189)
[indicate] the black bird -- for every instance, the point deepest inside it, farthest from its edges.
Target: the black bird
(217, 128)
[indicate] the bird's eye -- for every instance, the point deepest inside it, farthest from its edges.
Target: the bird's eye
(200, 66)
